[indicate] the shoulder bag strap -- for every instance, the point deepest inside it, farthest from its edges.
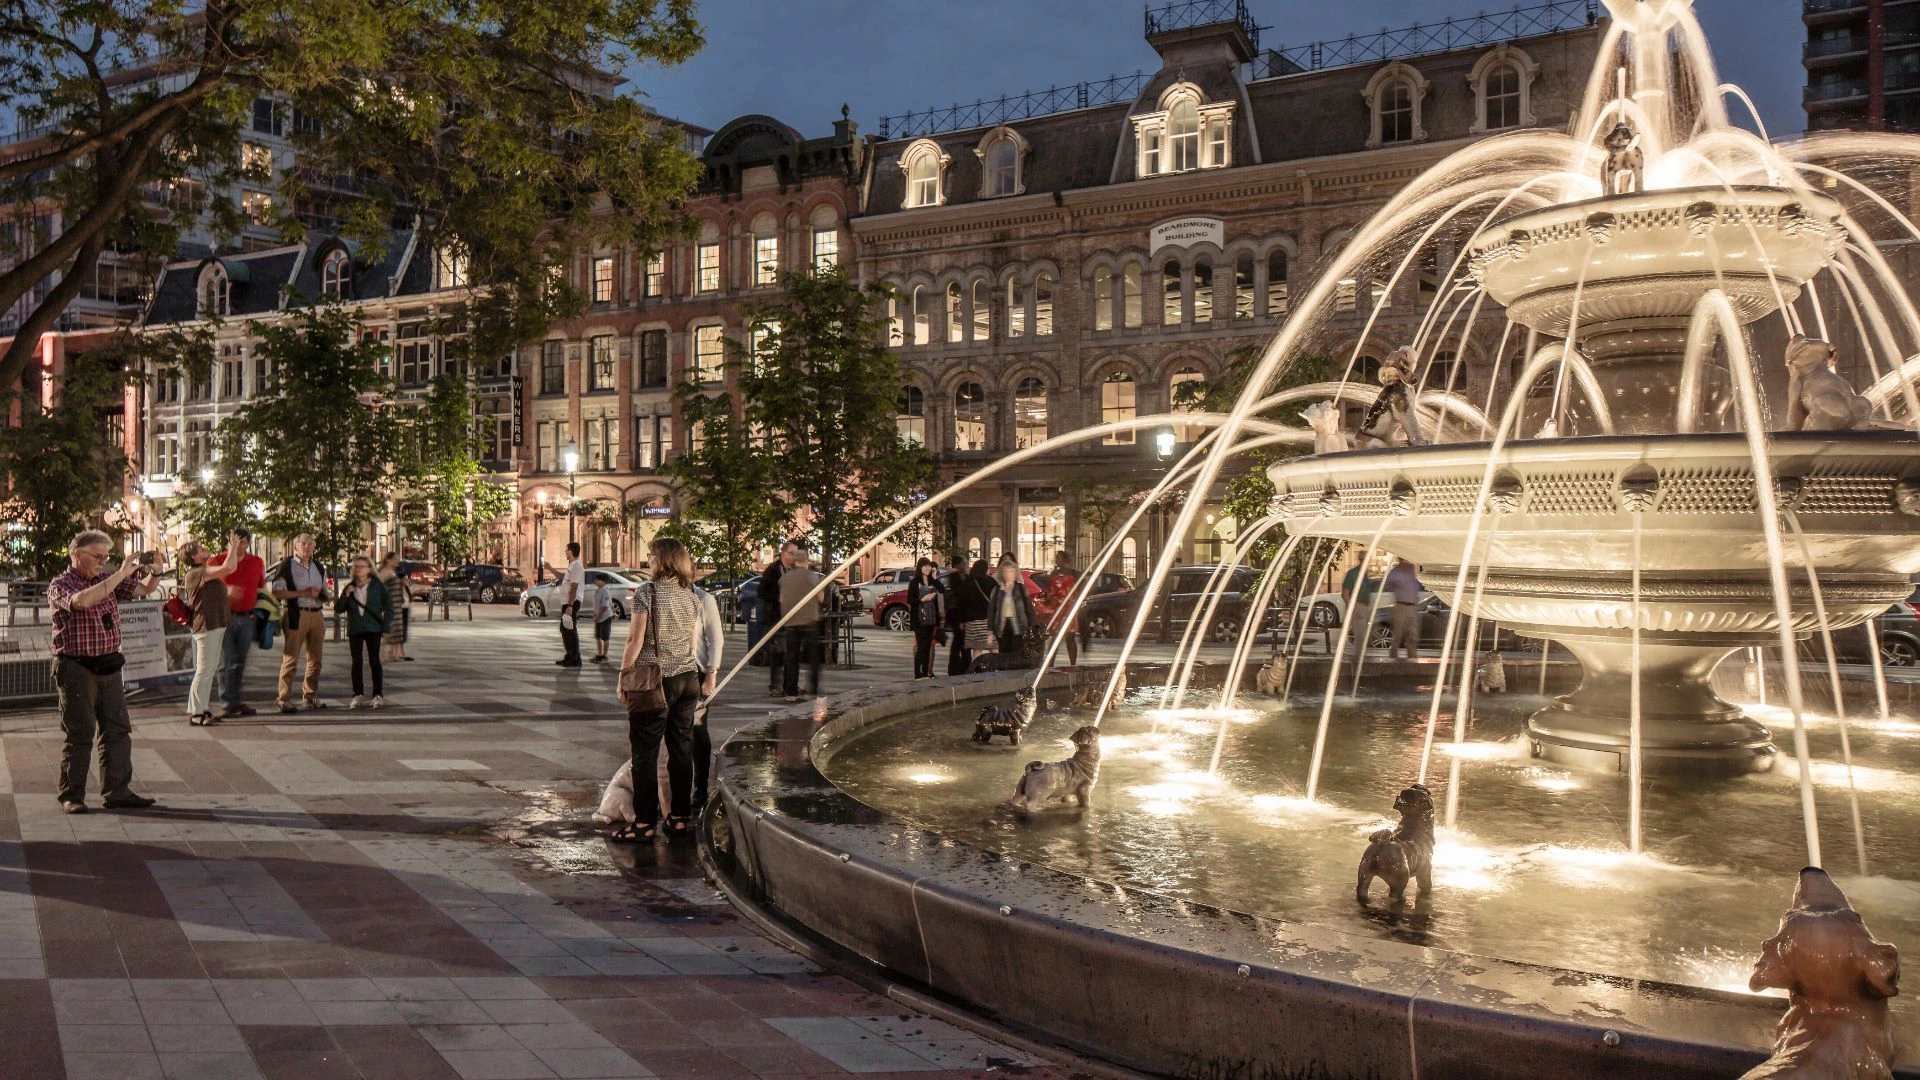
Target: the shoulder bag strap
(652, 643)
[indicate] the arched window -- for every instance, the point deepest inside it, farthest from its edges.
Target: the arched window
(1503, 82)
(1394, 95)
(1129, 558)
(982, 310)
(1179, 401)
(1002, 152)
(1118, 402)
(1029, 413)
(336, 276)
(1043, 304)
(1202, 290)
(969, 417)
(922, 317)
(1016, 310)
(1503, 98)
(1131, 304)
(956, 313)
(1243, 287)
(1396, 113)
(1183, 135)
(896, 326)
(911, 415)
(974, 551)
(1002, 160)
(1102, 298)
(1444, 372)
(1172, 310)
(216, 291)
(1276, 282)
(923, 163)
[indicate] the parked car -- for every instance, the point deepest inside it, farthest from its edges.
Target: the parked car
(872, 592)
(891, 612)
(487, 583)
(421, 578)
(1899, 631)
(1110, 615)
(1433, 629)
(547, 595)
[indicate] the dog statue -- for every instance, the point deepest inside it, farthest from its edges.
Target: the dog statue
(1818, 399)
(1325, 420)
(1050, 781)
(1089, 695)
(1837, 979)
(1403, 853)
(1272, 678)
(1491, 676)
(616, 805)
(1621, 173)
(1391, 418)
(1008, 720)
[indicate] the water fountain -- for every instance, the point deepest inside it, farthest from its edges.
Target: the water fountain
(1644, 495)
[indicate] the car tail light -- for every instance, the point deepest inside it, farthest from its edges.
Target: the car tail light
(1914, 607)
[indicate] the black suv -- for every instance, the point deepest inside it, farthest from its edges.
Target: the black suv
(485, 582)
(1109, 615)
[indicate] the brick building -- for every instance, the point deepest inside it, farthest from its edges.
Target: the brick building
(1863, 64)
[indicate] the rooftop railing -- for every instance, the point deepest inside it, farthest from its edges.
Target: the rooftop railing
(1184, 14)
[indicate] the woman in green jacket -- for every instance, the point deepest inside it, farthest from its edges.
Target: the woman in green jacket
(368, 609)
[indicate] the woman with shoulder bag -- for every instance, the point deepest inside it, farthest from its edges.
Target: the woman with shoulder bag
(1011, 607)
(204, 591)
(369, 610)
(927, 602)
(972, 601)
(661, 685)
(393, 642)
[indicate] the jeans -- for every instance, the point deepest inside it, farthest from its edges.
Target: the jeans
(570, 636)
(233, 657)
(646, 730)
(308, 636)
(923, 651)
(369, 643)
(207, 645)
(92, 705)
(802, 640)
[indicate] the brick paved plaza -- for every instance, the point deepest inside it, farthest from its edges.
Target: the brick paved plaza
(415, 892)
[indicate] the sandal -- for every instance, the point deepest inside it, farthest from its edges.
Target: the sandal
(632, 832)
(676, 823)
(204, 719)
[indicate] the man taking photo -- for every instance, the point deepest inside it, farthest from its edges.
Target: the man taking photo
(86, 645)
(243, 591)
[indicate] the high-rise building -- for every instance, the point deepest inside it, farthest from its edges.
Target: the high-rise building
(1863, 64)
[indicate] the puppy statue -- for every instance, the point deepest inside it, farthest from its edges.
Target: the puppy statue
(1051, 781)
(1818, 399)
(1403, 853)
(1837, 979)
(616, 806)
(1328, 435)
(1008, 720)
(1089, 695)
(1491, 676)
(1272, 678)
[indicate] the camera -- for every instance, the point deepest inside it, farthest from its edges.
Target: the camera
(145, 558)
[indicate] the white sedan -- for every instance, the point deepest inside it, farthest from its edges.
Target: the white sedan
(544, 599)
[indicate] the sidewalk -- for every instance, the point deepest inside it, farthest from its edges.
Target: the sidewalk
(415, 892)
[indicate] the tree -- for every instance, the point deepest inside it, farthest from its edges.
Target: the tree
(447, 475)
(822, 388)
(61, 466)
(729, 500)
(495, 128)
(318, 449)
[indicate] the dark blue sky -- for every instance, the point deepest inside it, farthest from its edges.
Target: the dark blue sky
(799, 59)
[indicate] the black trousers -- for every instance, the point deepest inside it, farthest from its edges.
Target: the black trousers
(959, 657)
(570, 637)
(923, 651)
(1011, 640)
(674, 726)
(369, 643)
(92, 705)
(802, 643)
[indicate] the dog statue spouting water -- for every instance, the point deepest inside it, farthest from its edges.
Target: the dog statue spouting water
(1008, 720)
(1403, 853)
(1056, 781)
(1490, 677)
(1837, 979)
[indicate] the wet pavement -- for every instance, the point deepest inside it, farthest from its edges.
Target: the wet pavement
(413, 892)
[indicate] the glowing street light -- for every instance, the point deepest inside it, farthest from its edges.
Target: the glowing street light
(1163, 444)
(570, 460)
(206, 474)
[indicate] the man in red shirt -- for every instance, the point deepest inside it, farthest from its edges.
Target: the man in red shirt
(243, 588)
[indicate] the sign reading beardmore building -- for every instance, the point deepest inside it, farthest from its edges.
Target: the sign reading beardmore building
(1186, 232)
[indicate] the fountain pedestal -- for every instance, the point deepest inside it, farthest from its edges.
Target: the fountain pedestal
(1685, 728)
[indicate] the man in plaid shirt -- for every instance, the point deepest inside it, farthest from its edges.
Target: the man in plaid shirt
(87, 661)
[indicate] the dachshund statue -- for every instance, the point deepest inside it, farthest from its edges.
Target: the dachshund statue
(1837, 979)
(1403, 853)
(1057, 781)
(1008, 720)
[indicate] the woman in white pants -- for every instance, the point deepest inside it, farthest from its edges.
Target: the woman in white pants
(204, 590)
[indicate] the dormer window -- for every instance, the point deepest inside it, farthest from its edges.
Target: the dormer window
(1394, 95)
(216, 291)
(1002, 153)
(336, 275)
(1187, 133)
(924, 162)
(449, 267)
(1502, 84)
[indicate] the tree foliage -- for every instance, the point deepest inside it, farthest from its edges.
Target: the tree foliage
(62, 468)
(446, 480)
(729, 499)
(495, 127)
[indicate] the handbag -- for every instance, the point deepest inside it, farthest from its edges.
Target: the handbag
(642, 687)
(176, 610)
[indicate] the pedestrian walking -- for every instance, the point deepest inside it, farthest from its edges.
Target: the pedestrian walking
(1368, 588)
(86, 599)
(801, 638)
(1012, 617)
(1060, 594)
(392, 574)
(602, 620)
(770, 612)
(368, 608)
(243, 626)
(970, 599)
(573, 590)
(927, 602)
(1403, 581)
(204, 591)
(300, 584)
(709, 644)
(666, 620)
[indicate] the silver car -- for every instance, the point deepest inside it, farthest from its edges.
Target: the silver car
(544, 599)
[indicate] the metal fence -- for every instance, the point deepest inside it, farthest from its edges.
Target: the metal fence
(26, 643)
(1183, 14)
(1447, 34)
(1054, 99)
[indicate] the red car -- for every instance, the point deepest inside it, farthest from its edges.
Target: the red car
(891, 612)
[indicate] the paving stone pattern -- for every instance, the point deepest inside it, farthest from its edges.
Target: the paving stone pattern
(409, 893)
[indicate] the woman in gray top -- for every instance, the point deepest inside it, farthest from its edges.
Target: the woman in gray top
(667, 605)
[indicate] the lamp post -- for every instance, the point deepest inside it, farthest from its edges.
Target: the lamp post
(539, 536)
(570, 460)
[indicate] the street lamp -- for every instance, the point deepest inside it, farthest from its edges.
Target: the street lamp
(570, 460)
(1163, 443)
(540, 535)
(206, 474)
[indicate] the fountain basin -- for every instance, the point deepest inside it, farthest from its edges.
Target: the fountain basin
(1557, 541)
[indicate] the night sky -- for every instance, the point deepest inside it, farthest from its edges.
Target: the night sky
(800, 59)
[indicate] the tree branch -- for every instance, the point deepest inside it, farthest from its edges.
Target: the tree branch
(27, 338)
(207, 82)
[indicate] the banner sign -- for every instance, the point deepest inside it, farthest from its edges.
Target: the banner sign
(157, 651)
(1186, 232)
